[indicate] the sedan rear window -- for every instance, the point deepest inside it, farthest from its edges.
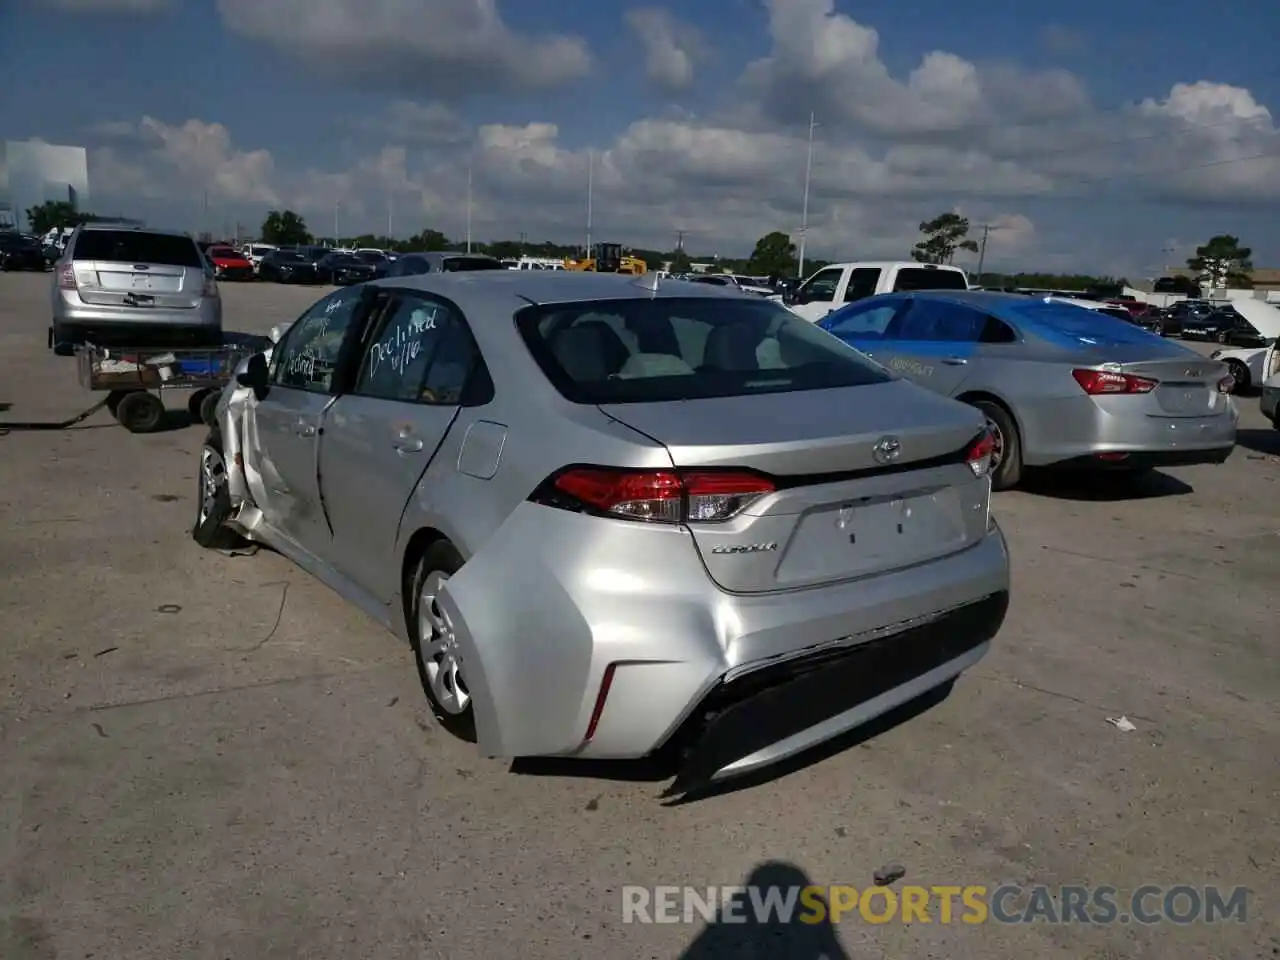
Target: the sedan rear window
(454, 264)
(668, 348)
(131, 246)
(1066, 324)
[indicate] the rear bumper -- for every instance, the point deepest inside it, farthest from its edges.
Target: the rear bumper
(669, 649)
(1080, 430)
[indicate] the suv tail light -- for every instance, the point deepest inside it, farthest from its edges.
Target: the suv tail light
(210, 286)
(67, 277)
(1099, 382)
(660, 496)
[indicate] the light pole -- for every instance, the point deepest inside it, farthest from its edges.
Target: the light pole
(804, 215)
(982, 249)
(591, 183)
(469, 180)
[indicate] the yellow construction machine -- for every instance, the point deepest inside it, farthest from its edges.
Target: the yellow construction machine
(609, 258)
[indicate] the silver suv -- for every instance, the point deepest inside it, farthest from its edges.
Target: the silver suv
(126, 285)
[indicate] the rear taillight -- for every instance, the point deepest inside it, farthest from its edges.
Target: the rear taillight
(1098, 382)
(67, 277)
(660, 496)
(980, 453)
(210, 286)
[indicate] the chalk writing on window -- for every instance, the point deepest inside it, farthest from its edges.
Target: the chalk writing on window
(402, 343)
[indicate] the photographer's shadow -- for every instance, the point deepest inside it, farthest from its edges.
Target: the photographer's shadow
(768, 938)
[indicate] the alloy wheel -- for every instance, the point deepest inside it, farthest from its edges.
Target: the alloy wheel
(438, 649)
(997, 444)
(213, 476)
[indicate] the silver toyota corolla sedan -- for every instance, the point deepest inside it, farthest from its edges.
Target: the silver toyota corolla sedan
(1061, 386)
(613, 517)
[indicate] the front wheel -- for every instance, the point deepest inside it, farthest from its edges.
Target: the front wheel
(1006, 459)
(213, 499)
(435, 642)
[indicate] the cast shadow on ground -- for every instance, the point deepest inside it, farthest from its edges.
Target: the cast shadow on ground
(665, 766)
(1260, 441)
(1106, 486)
(739, 933)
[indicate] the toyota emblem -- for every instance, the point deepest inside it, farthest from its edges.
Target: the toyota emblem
(887, 449)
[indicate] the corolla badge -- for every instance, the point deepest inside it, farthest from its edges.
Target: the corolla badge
(887, 449)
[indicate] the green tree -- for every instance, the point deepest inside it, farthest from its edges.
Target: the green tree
(1223, 263)
(284, 228)
(54, 214)
(430, 241)
(680, 262)
(944, 235)
(774, 256)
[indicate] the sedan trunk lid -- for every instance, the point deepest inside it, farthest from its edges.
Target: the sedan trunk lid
(876, 481)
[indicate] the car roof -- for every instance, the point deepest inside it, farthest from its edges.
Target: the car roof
(512, 290)
(887, 264)
(94, 227)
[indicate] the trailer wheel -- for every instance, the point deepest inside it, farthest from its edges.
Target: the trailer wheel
(209, 408)
(140, 412)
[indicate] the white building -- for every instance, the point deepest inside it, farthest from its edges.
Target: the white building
(33, 172)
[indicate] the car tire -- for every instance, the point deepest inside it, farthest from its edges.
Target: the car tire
(140, 412)
(1008, 472)
(1240, 373)
(213, 499)
(452, 707)
(209, 409)
(63, 345)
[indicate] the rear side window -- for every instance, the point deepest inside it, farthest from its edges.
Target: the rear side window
(130, 246)
(930, 319)
(862, 284)
(922, 278)
(663, 349)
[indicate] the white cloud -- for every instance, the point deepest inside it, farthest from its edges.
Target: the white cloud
(671, 48)
(450, 47)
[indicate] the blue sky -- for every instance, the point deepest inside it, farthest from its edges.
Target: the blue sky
(1088, 138)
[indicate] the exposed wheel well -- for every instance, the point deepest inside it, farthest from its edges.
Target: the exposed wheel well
(413, 551)
(977, 395)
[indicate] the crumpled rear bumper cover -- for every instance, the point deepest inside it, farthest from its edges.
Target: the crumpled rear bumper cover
(745, 724)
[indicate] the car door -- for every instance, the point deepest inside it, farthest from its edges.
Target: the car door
(933, 341)
(381, 435)
(288, 419)
(817, 295)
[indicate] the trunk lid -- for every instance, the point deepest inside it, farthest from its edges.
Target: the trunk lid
(838, 513)
(1188, 386)
(136, 285)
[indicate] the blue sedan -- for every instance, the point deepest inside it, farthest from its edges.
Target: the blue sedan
(1061, 385)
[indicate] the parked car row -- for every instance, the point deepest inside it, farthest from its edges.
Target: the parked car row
(19, 251)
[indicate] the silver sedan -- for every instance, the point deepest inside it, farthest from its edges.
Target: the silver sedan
(1061, 385)
(614, 518)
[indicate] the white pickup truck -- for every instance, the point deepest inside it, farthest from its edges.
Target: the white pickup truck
(839, 283)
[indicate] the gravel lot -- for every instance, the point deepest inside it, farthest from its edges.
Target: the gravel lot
(215, 757)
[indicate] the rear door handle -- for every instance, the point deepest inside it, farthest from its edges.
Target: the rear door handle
(406, 442)
(305, 429)
(954, 361)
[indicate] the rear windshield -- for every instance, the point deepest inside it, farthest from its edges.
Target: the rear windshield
(131, 246)
(1070, 325)
(223, 252)
(369, 256)
(455, 264)
(921, 278)
(287, 256)
(655, 350)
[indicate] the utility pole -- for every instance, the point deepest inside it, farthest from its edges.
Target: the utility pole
(388, 216)
(591, 176)
(804, 216)
(982, 249)
(679, 240)
(335, 223)
(469, 178)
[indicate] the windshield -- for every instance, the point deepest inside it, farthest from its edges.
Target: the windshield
(343, 258)
(655, 350)
(455, 264)
(369, 256)
(286, 256)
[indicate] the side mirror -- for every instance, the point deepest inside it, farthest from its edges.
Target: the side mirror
(255, 375)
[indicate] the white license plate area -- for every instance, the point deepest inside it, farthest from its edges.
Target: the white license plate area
(863, 536)
(1186, 399)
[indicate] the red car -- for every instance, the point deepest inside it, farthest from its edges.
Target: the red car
(229, 263)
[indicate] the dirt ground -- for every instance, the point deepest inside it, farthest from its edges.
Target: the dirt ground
(215, 757)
